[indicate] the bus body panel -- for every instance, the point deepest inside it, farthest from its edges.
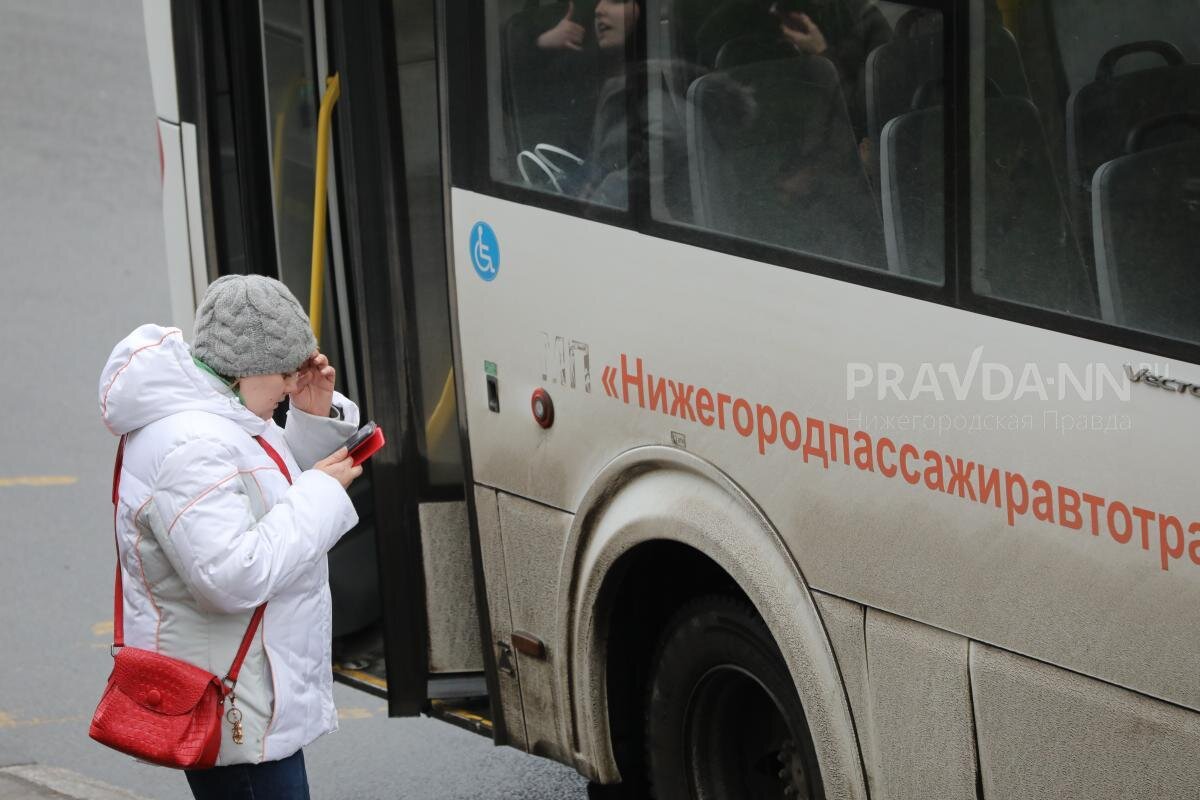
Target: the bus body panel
(195, 215)
(570, 298)
(1046, 732)
(160, 44)
(180, 288)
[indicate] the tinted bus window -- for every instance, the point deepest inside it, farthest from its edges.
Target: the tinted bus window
(813, 125)
(1090, 170)
(557, 96)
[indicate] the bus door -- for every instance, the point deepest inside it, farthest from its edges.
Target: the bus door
(405, 581)
(250, 79)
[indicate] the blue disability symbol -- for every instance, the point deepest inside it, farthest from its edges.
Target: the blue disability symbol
(485, 251)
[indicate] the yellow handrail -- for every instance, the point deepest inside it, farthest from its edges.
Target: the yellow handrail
(439, 418)
(285, 108)
(316, 287)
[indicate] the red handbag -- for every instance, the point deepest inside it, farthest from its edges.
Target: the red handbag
(160, 709)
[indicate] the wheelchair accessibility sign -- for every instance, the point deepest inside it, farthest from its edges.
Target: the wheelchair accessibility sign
(485, 251)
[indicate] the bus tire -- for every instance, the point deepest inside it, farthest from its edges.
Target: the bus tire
(723, 718)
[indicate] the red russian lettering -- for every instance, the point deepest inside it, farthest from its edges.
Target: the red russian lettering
(814, 441)
(658, 393)
(1012, 480)
(935, 478)
(635, 380)
(682, 406)
(863, 452)
(906, 452)
(1194, 545)
(741, 405)
(704, 407)
(1146, 517)
(1095, 504)
(722, 401)
(834, 432)
(1068, 509)
(791, 442)
(1116, 508)
(765, 414)
(1043, 503)
(989, 487)
(960, 477)
(1166, 524)
(882, 444)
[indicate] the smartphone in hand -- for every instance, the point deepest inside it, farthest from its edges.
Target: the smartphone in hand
(365, 442)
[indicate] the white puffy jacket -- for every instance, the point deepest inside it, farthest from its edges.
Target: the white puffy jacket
(208, 529)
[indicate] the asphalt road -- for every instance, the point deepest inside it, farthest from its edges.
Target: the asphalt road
(81, 249)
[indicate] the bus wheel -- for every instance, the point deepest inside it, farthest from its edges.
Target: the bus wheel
(723, 717)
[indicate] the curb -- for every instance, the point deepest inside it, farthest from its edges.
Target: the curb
(66, 784)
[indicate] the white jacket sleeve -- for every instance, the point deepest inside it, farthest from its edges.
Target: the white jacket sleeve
(229, 560)
(313, 438)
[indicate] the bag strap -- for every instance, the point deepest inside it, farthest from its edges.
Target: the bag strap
(274, 457)
(118, 604)
(118, 585)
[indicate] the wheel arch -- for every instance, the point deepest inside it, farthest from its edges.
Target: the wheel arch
(657, 499)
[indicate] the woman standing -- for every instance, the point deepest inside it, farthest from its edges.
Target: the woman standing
(220, 511)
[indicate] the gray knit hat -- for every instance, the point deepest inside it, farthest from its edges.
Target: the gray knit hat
(251, 325)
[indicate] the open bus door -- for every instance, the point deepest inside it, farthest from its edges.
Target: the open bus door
(409, 621)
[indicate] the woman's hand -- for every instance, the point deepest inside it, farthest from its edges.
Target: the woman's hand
(566, 35)
(314, 386)
(802, 32)
(340, 467)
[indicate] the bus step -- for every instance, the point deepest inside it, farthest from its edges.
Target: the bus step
(361, 679)
(471, 718)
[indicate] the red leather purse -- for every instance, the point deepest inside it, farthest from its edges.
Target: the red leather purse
(160, 709)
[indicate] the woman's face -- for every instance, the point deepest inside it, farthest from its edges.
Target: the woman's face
(614, 21)
(262, 393)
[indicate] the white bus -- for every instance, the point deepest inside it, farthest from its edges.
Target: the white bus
(786, 399)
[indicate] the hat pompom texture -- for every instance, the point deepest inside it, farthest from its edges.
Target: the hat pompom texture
(251, 325)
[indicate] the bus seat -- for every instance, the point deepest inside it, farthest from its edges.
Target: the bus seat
(896, 69)
(1084, 30)
(1146, 224)
(913, 58)
(549, 97)
(743, 50)
(731, 20)
(772, 158)
(1029, 253)
(1101, 114)
(912, 186)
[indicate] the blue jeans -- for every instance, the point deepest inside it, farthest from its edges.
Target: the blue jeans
(270, 780)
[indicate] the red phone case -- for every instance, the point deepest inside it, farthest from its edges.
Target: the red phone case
(368, 447)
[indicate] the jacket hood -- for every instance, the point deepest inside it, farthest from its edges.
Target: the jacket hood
(150, 375)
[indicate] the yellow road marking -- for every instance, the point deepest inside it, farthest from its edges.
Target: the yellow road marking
(102, 628)
(39, 480)
(354, 713)
(9, 721)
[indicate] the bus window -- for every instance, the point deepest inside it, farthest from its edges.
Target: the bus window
(557, 96)
(292, 102)
(1090, 195)
(768, 122)
(292, 118)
